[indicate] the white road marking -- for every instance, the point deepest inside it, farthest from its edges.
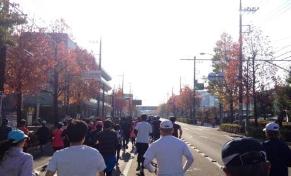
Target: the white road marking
(127, 167)
(205, 155)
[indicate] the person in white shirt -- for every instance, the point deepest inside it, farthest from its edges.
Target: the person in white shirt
(78, 159)
(169, 152)
(143, 130)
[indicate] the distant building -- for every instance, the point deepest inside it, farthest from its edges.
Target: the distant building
(207, 100)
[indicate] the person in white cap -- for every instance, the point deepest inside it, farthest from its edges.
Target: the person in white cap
(169, 152)
(278, 152)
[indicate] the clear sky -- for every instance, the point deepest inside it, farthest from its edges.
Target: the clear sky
(144, 39)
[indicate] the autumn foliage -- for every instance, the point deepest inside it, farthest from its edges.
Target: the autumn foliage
(180, 105)
(38, 58)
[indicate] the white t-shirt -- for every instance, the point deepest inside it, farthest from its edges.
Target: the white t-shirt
(144, 129)
(77, 161)
(169, 152)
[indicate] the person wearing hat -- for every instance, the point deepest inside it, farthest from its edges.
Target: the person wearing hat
(13, 161)
(177, 130)
(169, 152)
(278, 152)
(244, 157)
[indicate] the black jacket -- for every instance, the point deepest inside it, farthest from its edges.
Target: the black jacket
(279, 155)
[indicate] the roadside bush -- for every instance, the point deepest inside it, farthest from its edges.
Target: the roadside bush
(231, 128)
(256, 132)
(184, 120)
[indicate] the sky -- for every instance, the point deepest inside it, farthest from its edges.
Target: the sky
(144, 40)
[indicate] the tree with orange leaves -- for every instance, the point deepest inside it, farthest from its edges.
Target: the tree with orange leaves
(225, 61)
(27, 66)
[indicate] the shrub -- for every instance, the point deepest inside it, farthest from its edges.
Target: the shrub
(231, 128)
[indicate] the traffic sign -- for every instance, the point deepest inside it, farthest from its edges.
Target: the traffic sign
(96, 75)
(215, 76)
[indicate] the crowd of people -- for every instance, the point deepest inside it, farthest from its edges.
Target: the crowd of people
(90, 147)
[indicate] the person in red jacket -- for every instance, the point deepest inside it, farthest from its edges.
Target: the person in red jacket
(58, 142)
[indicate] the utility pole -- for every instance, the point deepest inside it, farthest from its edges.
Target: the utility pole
(240, 77)
(194, 93)
(194, 80)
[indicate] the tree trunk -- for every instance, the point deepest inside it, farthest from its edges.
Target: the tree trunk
(18, 103)
(254, 93)
(231, 109)
(2, 66)
(55, 96)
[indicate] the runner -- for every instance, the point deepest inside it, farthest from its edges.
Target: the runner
(177, 132)
(244, 157)
(13, 161)
(58, 142)
(43, 135)
(278, 152)
(4, 130)
(119, 138)
(78, 159)
(156, 128)
(169, 152)
(107, 145)
(143, 130)
(23, 127)
(126, 128)
(133, 135)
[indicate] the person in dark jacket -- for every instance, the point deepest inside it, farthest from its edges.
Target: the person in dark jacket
(278, 152)
(107, 144)
(43, 135)
(4, 130)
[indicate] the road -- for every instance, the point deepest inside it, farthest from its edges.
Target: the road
(207, 141)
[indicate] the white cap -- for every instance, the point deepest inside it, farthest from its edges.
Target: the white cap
(166, 124)
(272, 126)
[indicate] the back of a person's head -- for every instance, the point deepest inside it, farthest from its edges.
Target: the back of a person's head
(244, 157)
(144, 117)
(173, 119)
(117, 127)
(4, 122)
(107, 124)
(22, 122)
(77, 131)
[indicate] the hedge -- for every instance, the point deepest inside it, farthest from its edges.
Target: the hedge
(231, 128)
(256, 132)
(184, 120)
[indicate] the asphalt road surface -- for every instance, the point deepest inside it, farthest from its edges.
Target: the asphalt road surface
(208, 141)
